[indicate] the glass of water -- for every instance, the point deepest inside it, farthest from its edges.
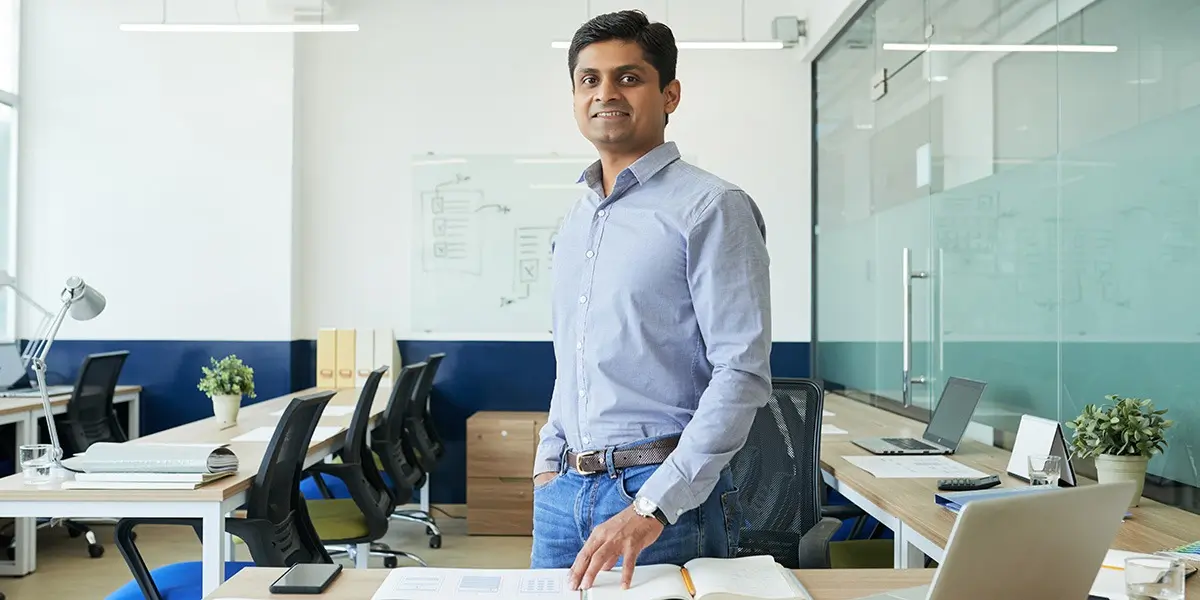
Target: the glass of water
(35, 462)
(1044, 470)
(1154, 578)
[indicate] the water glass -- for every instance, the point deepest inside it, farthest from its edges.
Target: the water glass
(1044, 470)
(1154, 578)
(36, 462)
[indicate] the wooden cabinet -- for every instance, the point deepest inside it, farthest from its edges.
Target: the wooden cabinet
(501, 446)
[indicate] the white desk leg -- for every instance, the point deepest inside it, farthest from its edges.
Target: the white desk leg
(230, 553)
(912, 548)
(25, 528)
(425, 497)
(214, 550)
(133, 428)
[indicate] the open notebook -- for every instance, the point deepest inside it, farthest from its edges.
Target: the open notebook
(747, 578)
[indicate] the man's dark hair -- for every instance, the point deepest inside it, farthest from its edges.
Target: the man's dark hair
(655, 39)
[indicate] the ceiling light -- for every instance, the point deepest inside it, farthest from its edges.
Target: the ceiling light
(238, 27)
(998, 47)
(707, 45)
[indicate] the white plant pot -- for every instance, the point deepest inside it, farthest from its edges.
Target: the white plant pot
(1112, 469)
(225, 408)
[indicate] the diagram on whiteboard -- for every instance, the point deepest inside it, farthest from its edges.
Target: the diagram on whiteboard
(482, 244)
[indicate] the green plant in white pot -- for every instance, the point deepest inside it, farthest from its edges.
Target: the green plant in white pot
(1121, 436)
(225, 383)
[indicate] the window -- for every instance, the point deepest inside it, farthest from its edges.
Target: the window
(9, 50)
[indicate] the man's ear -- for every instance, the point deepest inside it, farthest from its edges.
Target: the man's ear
(671, 96)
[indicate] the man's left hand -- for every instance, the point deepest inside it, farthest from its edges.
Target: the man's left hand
(624, 536)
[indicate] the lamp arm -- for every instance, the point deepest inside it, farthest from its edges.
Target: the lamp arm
(39, 370)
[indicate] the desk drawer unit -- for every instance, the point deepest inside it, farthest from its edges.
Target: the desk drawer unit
(501, 446)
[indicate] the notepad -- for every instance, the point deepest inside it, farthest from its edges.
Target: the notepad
(896, 467)
(264, 434)
(330, 411)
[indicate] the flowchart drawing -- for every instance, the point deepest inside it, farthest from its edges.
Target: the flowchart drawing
(452, 230)
(532, 251)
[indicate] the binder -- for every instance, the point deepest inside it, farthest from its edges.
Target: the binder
(327, 358)
(345, 364)
(387, 353)
(363, 356)
(955, 501)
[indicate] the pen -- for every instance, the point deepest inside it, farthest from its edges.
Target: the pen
(687, 580)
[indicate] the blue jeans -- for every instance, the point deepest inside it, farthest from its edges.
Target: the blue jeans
(566, 509)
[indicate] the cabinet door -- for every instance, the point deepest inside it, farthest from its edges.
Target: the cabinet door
(500, 446)
(500, 506)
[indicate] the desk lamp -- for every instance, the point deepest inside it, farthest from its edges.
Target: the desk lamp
(83, 302)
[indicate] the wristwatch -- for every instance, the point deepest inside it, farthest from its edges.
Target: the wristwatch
(645, 507)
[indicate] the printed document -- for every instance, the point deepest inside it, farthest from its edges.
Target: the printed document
(902, 467)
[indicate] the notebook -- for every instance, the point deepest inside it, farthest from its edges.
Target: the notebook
(133, 457)
(746, 578)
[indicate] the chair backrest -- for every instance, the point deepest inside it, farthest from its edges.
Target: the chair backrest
(276, 496)
(377, 501)
(90, 409)
(389, 439)
(778, 471)
(420, 399)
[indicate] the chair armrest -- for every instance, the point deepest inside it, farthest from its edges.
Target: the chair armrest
(123, 535)
(814, 544)
(334, 469)
(842, 512)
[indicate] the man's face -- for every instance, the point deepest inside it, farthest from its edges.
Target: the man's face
(618, 103)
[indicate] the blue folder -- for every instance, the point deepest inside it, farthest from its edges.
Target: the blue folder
(954, 501)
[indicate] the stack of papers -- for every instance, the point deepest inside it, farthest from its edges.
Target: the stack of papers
(897, 467)
(264, 434)
(129, 466)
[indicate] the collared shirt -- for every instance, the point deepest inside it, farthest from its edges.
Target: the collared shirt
(662, 322)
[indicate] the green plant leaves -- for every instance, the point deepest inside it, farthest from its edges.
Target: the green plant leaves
(229, 376)
(1125, 427)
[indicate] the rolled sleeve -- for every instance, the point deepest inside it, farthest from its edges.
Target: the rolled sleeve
(728, 275)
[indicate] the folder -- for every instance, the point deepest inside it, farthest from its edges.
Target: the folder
(387, 353)
(364, 356)
(327, 358)
(955, 501)
(345, 364)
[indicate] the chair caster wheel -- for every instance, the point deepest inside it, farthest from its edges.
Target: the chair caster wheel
(390, 562)
(73, 533)
(435, 541)
(95, 550)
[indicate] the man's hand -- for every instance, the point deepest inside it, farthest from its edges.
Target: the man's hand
(623, 536)
(545, 477)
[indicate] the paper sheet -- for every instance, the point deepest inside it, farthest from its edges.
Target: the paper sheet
(330, 411)
(263, 434)
(827, 429)
(896, 467)
(827, 413)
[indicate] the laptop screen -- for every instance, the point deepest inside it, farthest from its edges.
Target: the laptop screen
(12, 369)
(954, 411)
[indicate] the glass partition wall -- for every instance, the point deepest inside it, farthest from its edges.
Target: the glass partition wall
(1009, 191)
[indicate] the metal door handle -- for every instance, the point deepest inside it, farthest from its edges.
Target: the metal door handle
(906, 342)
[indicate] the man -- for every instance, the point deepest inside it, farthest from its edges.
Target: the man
(662, 328)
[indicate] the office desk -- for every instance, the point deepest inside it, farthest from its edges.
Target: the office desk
(360, 584)
(26, 414)
(907, 507)
(210, 503)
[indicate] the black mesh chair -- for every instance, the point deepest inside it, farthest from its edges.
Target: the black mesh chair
(277, 529)
(396, 454)
(778, 473)
(363, 518)
(419, 425)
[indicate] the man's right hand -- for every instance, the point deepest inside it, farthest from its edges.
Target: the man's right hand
(544, 478)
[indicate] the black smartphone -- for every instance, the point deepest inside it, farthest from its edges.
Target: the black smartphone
(306, 579)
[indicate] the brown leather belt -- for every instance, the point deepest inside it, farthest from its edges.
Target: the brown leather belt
(651, 453)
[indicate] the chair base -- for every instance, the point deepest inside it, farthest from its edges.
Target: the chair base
(375, 549)
(422, 518)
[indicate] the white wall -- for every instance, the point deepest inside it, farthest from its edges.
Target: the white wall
(422, 78)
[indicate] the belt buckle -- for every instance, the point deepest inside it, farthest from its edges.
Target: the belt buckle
(584, 455)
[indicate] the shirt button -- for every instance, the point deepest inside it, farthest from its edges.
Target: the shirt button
(600, 213)
(581, 393)
(590, 254)
(587, 440)
(582, 299)
(579, 345)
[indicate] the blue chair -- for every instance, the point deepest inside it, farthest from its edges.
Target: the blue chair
(276, 529)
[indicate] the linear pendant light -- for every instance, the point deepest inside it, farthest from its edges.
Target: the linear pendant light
(238, 27)
(1000, 47)
(733, 45)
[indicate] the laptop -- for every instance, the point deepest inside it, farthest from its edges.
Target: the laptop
(14, 377)
(946, 427)
(1045, 546)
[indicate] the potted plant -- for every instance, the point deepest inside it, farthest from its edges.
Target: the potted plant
(1121, 436)
(225, 383)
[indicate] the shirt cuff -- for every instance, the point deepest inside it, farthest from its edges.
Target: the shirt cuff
(549, 456)
(670, 491)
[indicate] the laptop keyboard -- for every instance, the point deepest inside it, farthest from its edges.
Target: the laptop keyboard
(909, 444)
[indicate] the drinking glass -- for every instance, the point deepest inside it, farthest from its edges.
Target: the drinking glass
(36, 462)
(1153, 578)
(1044, 470)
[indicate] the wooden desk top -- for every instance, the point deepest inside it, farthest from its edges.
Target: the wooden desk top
(9, 406)
(842, 584)
(1153, 526)
(205, 431)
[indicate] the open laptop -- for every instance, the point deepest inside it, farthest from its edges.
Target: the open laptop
(14, 378)
(1044, 546)
(946, 427)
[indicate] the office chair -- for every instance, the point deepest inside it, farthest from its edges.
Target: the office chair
(419, 427)
(778, 475)
(277, 528)
(345, 524)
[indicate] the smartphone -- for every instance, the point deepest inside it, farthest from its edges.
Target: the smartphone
(306, 579)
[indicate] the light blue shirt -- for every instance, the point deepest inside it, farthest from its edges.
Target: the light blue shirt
(662, 322)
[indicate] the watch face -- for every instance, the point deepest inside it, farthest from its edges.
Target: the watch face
(644, 507)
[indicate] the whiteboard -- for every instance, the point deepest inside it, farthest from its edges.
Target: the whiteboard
(481, 237)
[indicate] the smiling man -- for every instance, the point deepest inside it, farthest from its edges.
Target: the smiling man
(662, 326)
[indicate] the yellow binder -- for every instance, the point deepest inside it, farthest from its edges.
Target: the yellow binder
(327, 358)
(346, 347)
